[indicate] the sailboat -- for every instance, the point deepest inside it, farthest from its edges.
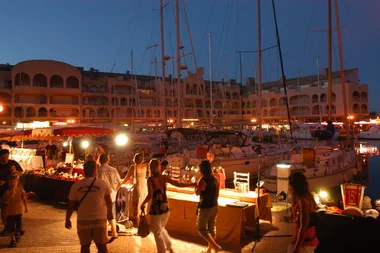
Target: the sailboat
(241, 158)
(324, 166)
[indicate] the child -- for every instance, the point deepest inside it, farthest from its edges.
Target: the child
(15, 199)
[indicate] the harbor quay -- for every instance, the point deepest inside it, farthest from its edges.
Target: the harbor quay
(45, 232)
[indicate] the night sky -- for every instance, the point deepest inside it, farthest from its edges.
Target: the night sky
(101, 34)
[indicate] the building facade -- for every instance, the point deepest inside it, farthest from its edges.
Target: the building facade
(45, 90)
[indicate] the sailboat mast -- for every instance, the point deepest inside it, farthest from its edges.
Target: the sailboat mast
(282, 69)
(210, 66)
(330, 62)
(345, 119)
(320, 109)
(133, 96)
(259, 108)
(179, 94)
(164, 121)
(155, 86)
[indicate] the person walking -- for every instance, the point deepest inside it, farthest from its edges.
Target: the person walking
(208, 190)
(111, 176)
(7, 168)
(95, 208)
(15, 199)
(138, 171)
(159, 208)
(305, 239)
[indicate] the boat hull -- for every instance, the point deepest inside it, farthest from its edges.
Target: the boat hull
(369, 135)
(318, 182)
(250, 165)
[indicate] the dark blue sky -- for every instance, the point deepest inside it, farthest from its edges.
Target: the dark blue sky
(89, 33)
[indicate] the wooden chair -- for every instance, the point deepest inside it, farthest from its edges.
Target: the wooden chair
(241, 181)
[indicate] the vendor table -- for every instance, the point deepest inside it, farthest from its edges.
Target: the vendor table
(48, 188)
(231, 220)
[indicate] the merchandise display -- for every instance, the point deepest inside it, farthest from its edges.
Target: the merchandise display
(26, 158)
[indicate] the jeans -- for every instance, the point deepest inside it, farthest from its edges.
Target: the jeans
(157, 226)
(206, 221)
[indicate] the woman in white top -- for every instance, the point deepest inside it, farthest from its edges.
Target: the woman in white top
(138, 171)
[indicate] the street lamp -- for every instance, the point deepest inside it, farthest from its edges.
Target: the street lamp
(85, 144)
(120, 140)
(349, 117)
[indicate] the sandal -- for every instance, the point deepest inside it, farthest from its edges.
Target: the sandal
(17, 236)
(218, 248)
(111, 240)
(12, 244)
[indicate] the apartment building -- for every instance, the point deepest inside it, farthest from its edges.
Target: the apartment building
(46, 90)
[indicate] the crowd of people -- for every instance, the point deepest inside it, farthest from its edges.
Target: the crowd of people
(95, 197)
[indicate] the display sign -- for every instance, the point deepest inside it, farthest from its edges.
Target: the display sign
(46, 131)
(352, 195)
(33, 125)
(283, 172)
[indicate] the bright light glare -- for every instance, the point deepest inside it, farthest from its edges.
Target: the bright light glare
(283, 166)
(1, 108)
(323, 194)
(85, 144)
(65, 144)
(121, 139)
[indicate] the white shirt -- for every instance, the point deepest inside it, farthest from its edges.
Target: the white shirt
(93, 206)
(5, 146)
(111, 176)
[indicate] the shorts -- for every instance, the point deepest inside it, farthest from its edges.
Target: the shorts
(92, 230)
(14, 223)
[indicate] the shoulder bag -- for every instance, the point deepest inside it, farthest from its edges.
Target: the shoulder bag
(143, 229)
(77, 203)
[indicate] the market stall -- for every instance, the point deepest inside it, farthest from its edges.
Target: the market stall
(236, 211)
(54, 183)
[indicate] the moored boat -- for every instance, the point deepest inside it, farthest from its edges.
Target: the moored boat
(324, 167)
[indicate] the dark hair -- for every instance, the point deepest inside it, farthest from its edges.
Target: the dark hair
(13, 176)
(298, 182)
(138, 158)
(89, 158)
(164, 163)
(103, 158)
(89, 168)
(205, 168)
(104, 146)
(4, 151)
(154, 164)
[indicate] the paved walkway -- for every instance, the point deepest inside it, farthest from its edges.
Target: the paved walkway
(45, 233)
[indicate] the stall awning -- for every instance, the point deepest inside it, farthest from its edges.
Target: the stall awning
(29, 135)
(83, 131)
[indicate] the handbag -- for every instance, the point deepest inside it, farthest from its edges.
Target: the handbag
(143, 230)
(77, 203)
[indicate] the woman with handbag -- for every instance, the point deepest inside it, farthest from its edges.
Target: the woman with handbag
(137, 176)
(159, 208)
